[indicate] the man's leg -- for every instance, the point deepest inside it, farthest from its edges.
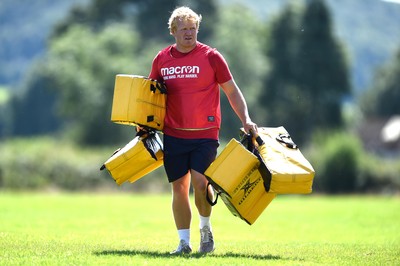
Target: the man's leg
(181, 202)
(182, 212)
(199, 182)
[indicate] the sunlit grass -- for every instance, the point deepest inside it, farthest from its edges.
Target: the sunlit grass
(120, 229)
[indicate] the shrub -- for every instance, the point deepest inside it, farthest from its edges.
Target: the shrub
(37, 163)
(336, 158)
(378, 174)
(49, 163)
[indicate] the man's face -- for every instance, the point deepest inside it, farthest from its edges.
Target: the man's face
(185, 35)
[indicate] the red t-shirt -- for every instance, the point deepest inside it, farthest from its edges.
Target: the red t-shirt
(193, 96)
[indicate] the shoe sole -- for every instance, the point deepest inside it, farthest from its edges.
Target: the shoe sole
(205, 252)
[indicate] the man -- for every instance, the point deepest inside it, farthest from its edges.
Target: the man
(193, 73)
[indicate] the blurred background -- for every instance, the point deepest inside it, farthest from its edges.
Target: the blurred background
(328, 71)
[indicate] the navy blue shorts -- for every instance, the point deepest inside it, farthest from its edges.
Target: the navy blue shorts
(181, 155)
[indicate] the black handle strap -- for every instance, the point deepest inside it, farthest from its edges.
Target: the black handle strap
(158, 86)
(246, 140)
(151, 143)
(263, 169)
(265, 173)
(212, 203)
(286, 140)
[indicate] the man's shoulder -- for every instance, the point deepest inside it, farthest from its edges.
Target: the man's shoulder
(206, 47)
(165, 50)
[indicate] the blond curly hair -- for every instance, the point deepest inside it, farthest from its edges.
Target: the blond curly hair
(183, 13)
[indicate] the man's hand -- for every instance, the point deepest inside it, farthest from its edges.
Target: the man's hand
(250, 127)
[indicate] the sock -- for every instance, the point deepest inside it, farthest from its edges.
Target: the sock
(205, 221)
(184, 234)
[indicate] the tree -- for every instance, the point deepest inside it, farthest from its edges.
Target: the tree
(149, 16)
(34, 111)
(84, 64)
(94, 15)
(309, 75)
(382, 99)
(322, 71)
(279, 95)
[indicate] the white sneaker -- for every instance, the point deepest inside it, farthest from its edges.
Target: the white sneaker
(207, 240)
(183, 248)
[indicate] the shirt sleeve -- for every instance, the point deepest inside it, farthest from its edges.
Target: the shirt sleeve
(220, 66)
(154, 73)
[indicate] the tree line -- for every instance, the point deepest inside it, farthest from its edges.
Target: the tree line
(293, 71)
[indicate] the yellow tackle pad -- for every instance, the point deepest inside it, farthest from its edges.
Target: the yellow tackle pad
(139, 101)
(289, 171)
(235, 177)
(139, 157)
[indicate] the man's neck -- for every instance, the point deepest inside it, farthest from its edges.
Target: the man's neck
(185, 49)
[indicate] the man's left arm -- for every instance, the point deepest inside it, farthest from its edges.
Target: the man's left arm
(238, 103)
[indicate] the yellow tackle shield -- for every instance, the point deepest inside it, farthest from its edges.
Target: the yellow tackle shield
(289, 171)
(138, 101)
(235, 177)
(139, 157)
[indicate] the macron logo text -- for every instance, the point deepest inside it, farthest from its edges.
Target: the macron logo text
(165, 71)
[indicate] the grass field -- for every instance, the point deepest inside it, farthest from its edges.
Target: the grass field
(122, 229)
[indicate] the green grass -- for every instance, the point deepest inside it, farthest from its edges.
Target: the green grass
(122, 229)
